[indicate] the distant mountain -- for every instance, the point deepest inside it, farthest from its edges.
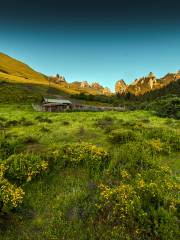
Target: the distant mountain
(16, 71)
(146, 84)
(83, 86)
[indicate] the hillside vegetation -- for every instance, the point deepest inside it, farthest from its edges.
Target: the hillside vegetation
(88, 175)
(15, 68)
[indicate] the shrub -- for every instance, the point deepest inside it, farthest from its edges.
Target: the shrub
(95, 159)
(11, 123)
(121, 136)
(44, 129)
(138, 209)
(43, 119)
(65, 123)
(105, 123)
(167, 107)
(10, 195)
(25, 166)
(169, 137)
(8, 147)
(2, 122)
(156, 146)
(30, 140)
(134, 156)
(137, 199)
(25, 122)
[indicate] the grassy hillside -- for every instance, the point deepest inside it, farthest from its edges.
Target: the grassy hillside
(17, 75)
(15, 68)
(21, 93)
(12, 70)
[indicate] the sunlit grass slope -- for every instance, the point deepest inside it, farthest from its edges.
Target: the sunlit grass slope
(17, 69)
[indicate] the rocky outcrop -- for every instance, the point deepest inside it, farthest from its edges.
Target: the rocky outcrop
(58, 79)
(106, 91)
(142, 85)
(84, 84)
(96, 86)
(146, 84)
(120, 87)
(151, 79)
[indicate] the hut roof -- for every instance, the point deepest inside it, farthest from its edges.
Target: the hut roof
(56, 101)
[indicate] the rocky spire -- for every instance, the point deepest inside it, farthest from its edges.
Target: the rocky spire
(151, 75)
(84, 84)
(152, 79)
(96, 85)
(106, 91)
(120, 86)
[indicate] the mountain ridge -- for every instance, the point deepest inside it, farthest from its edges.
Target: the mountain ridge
(145, 84)
(15, 70)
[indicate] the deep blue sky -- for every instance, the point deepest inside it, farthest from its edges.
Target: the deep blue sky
(100, 41)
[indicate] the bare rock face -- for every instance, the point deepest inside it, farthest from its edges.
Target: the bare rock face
(151, 75)
(84, 84)
(146, 84)
(106, 91)
(120, 87)
(151, 80)
(96, 86)
(57, 79)
(75, 85)
(142, 85)
(178, 75)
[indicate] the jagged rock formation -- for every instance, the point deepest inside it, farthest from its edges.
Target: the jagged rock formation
(151, 79)
(58, 79)
(106, 91)
(84, 84)
(96, 86)
(146, 84)
(75, 85)
(120, 87)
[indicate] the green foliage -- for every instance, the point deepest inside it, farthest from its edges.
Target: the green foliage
(68, 201)
(95, 159)
(167, 107)
(12, 92)
(10, 195)
(30, 140)
(121, 136)
(43, 119)
(169, 137)
(138, 198)
(138, 208)
(8, 147)
(104, 122)
(25, 166)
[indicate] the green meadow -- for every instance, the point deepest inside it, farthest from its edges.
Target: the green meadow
(88, 175)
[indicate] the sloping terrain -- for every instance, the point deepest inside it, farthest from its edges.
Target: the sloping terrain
(12, 70)
(17, 70)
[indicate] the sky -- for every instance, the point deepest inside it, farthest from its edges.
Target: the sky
(101, 41)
